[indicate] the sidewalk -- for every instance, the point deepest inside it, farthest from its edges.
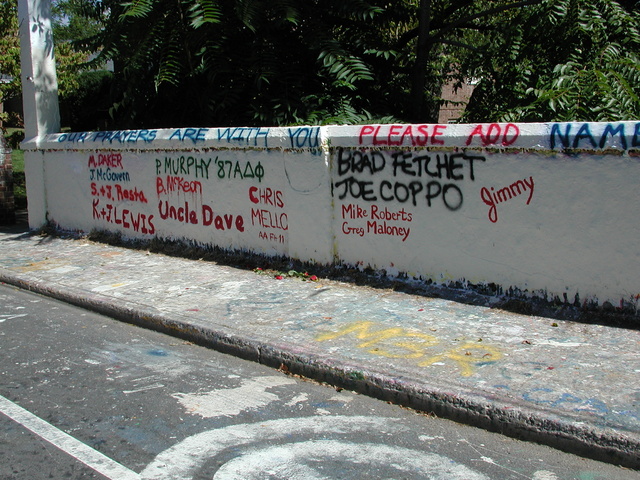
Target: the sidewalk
(569, 385)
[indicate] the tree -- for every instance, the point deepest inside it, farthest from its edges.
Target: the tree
(281, 61)
(565, 60)
(85, 88)
(218, 62)
(76, 20)
(68, 59)
(441, 25)
(9, 54)
(278, 62)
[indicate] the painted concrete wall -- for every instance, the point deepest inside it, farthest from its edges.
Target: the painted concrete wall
(539, 207)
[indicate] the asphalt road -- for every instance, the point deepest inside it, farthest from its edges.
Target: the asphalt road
(84, 396)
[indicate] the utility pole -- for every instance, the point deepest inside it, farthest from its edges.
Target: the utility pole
(39, 98)
(38, 65)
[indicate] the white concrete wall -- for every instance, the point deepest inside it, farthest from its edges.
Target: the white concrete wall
(539, 207)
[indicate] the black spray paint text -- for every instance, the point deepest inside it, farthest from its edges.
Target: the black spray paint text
(406, 168)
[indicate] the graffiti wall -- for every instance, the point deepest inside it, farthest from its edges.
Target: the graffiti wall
(543, 208)
(232, 187)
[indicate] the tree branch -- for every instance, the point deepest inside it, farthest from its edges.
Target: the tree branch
(459, 44)
(409, 35)
(461, 21)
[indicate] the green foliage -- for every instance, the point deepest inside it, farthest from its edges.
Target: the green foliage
(74, 20)
(9, 54)
(17, 159)
(258, 62)
(250, 62)
(68, 59)
(279, 62)
(87, 108)
(69, 63)
(14, 137)
(566, 60)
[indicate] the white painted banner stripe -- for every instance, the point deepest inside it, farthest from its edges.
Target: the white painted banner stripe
(65, 442)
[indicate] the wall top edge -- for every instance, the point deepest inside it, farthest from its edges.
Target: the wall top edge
(566, 136)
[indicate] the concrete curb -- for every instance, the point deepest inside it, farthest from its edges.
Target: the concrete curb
(506, 418)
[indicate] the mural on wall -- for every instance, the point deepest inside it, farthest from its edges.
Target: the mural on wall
(415, 170)
(386, 180)
(115, 200)
(201, 192)
(594, 136)
(496, 195)
(473, 202)
(213, 192)
(481, 203)
(180, 179)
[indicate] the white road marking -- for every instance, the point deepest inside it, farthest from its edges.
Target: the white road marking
(427, 438)
(341, 398)
(143, 389)
(251, 394)
(65, 442)
(544, 475)
(295, 461)
(4, 318)
(303, 397)
(267, 446)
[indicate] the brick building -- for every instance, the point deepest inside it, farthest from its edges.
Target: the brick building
(455, 101)
(7, 204)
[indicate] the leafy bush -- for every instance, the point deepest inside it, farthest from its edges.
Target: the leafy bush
(15, 138)
(87, 106)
